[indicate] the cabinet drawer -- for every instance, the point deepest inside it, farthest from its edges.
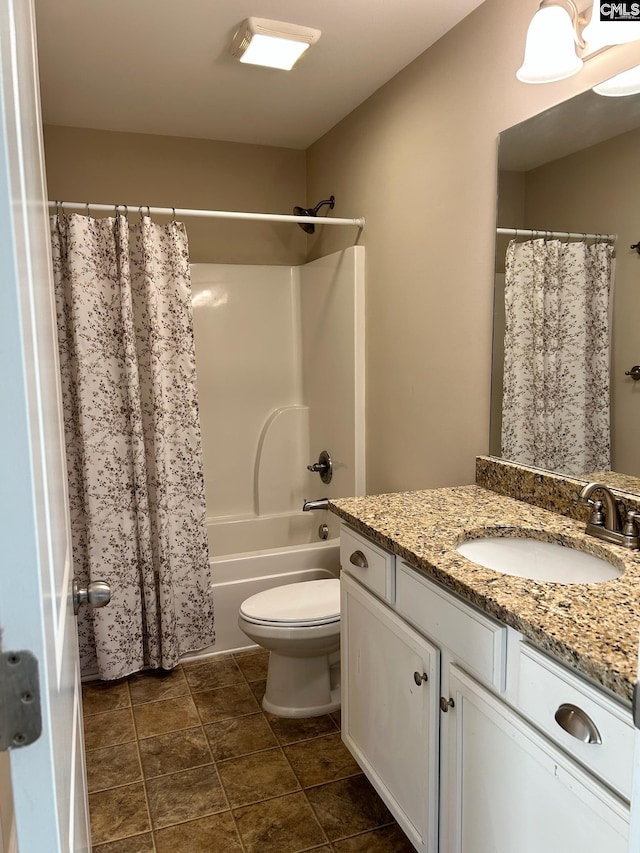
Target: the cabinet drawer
(545, 686)
(372, 566)
(478, 642)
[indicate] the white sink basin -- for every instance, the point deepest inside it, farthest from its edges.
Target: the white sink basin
(536, 560)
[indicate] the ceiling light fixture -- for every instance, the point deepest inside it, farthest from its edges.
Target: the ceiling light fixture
(273, 44)
(550, 50)
(626, 83)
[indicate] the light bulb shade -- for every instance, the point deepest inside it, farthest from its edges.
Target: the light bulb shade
(274, 44)
(607, 25)
(626, 83)
(550, 50)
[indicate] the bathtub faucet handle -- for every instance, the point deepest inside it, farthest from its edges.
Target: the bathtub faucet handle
(324, 467)
(321, 503)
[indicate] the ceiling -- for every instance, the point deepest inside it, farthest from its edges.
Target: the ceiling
(163, 66)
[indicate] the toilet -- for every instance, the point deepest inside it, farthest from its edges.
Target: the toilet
(300, 625)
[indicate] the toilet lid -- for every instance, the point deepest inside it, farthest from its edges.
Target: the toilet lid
(296, 604)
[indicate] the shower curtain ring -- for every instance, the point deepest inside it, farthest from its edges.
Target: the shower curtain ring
(59, 209)
(88, 210)
(174, 213)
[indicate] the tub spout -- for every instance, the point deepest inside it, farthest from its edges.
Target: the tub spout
(321, 503)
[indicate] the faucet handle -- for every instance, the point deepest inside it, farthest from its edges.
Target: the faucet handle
(631, 526)
(324, 467)
(597, 509)
(597, 512)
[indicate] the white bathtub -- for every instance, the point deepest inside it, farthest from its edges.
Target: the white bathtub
(252, 554)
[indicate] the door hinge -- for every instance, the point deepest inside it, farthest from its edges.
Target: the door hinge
(20, 714)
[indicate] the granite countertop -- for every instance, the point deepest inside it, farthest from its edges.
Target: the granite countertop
(592, 627)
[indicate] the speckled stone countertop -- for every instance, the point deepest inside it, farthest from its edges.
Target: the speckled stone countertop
(592, 627)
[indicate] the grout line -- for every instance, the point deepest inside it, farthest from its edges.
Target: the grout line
(144, 783)
(224, 792)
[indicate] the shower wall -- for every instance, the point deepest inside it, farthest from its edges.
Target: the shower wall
(280, 361)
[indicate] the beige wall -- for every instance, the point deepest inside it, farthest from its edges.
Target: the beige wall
(418, 160)
(165, 171)
(597, 190)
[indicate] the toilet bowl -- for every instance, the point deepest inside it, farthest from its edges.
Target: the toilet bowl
(300, 625)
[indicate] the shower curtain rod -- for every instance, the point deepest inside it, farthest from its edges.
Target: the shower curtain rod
(568, 235)
(212, 214)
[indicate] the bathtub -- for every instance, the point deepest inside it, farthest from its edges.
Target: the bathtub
(249, 555)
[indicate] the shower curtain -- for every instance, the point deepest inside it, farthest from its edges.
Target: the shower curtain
(555, 408)
(136, 485)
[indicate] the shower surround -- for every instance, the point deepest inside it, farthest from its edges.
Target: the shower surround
(280, 366)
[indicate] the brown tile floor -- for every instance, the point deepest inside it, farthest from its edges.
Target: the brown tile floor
(187, 762)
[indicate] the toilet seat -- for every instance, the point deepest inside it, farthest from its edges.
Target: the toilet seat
(297, 605)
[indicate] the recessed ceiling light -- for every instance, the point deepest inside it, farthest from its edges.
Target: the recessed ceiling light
(274, 44)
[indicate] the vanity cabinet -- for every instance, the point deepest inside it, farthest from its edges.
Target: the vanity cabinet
(390, 710)
(452, 719)
(508, 788)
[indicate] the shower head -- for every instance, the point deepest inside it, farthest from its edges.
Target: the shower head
(312, 211)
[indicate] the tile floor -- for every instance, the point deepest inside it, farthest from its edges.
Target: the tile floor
(187, 762)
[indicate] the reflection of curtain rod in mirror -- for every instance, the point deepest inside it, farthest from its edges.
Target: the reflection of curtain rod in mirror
(568, 235)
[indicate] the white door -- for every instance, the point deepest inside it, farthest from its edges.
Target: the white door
(390, 710)
(510, 789)
(47, 777)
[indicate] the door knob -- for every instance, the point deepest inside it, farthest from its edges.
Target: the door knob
(96, 594)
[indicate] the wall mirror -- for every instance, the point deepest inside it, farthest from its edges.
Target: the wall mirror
(574, 169)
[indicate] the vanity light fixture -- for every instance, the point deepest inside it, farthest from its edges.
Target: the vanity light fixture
(273, 44)
(558, 28)
(625, 83)
(550, 50)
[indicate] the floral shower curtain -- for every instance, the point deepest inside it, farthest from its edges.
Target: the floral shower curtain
(134, 459)
(555, 409)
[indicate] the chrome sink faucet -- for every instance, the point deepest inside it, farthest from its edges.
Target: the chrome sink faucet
(605, 521)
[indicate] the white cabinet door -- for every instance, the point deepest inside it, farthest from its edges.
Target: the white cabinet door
(390, 710)
(47, 777)
(509, 789)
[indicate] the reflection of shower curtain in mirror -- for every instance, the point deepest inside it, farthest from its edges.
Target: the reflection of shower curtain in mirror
(555, 407)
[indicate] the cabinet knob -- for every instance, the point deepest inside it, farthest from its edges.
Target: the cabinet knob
(358, 559)
(445, 704)
(420, 677)
(576, 723)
